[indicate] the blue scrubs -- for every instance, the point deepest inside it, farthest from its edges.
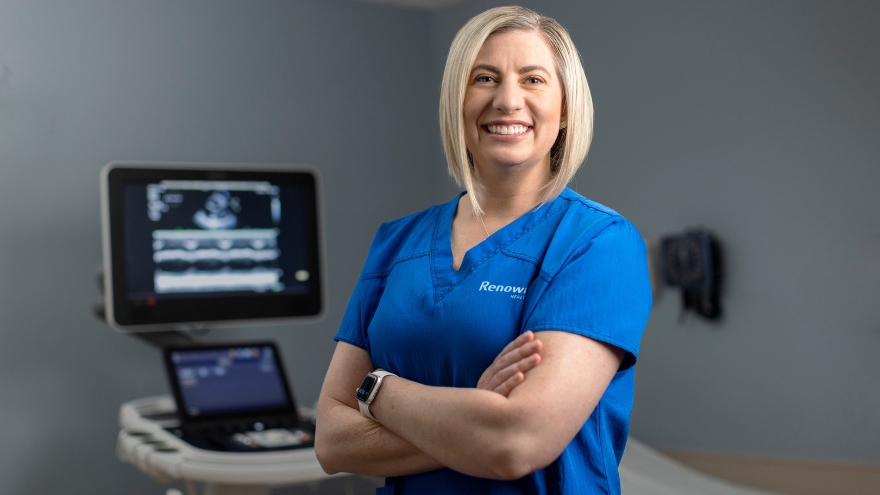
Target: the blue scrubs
(571, 265)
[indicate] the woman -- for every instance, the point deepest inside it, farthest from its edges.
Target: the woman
(509, 318)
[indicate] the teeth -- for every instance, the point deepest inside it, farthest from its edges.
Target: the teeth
(507, 129)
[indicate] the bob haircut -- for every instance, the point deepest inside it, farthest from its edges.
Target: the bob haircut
(573, 141)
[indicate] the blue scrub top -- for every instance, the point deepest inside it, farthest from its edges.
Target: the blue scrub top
(571, 265)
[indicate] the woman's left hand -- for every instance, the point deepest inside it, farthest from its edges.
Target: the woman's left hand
(509, 368)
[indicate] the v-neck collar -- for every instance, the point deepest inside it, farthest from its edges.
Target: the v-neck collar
(444, 277)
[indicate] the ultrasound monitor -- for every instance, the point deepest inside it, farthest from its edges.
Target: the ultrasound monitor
(191, 246)
(228, 380)
(235, 398)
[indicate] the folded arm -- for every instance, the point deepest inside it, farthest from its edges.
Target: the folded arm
(473, 431)
(487, 435)
(346, 441)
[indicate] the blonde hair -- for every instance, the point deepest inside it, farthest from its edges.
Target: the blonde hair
(573, 142)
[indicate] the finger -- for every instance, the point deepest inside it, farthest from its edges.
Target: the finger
(510, 384)
(521, 352)
(505, 366)
(520, 340)
(522, 346)
(522, 366)
(527, 363)
(485, 379)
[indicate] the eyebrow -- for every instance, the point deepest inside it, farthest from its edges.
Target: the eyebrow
(532, 68)
(528, 68)
(490, 68)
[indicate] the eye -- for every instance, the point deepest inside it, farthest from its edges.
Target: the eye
(534, 80)
(483, 78)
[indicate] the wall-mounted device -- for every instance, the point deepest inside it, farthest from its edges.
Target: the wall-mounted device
(193, 245)
(692, 261)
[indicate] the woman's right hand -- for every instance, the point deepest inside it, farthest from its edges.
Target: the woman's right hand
(509, 368)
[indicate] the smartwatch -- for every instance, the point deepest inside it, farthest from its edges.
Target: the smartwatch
(368, 390)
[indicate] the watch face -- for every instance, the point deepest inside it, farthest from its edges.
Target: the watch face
(363, 392)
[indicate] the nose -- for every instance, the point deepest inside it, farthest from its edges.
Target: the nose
(508, 97)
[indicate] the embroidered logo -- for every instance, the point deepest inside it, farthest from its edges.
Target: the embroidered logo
(515, 292)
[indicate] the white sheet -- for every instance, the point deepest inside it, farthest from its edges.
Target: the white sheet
(645, 471)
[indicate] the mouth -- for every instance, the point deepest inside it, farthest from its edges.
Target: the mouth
(506, 130)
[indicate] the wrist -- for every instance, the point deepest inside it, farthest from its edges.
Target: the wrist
(377, 407)
(368, 391)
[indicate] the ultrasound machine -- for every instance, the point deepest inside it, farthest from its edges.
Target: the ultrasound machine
(189, 247)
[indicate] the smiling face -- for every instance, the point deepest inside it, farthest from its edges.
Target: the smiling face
(513, 104)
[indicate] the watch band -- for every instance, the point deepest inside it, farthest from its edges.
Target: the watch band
(364, 405)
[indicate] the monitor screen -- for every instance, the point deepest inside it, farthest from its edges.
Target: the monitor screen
(192, 244)
(228, 380)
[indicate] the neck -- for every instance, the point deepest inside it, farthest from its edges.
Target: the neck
(507, 194)
(509, 204)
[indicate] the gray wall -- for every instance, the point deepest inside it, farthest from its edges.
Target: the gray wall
(760, 120)
(334, 84)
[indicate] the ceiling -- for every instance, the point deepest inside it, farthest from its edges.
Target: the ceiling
(416, 4)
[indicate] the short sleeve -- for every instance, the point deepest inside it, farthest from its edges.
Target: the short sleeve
(600, 289)
(393, 240)
(355, 320)
(363, 302)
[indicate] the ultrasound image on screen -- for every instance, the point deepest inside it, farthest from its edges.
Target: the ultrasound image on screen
(228, 381)
(186, 237)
